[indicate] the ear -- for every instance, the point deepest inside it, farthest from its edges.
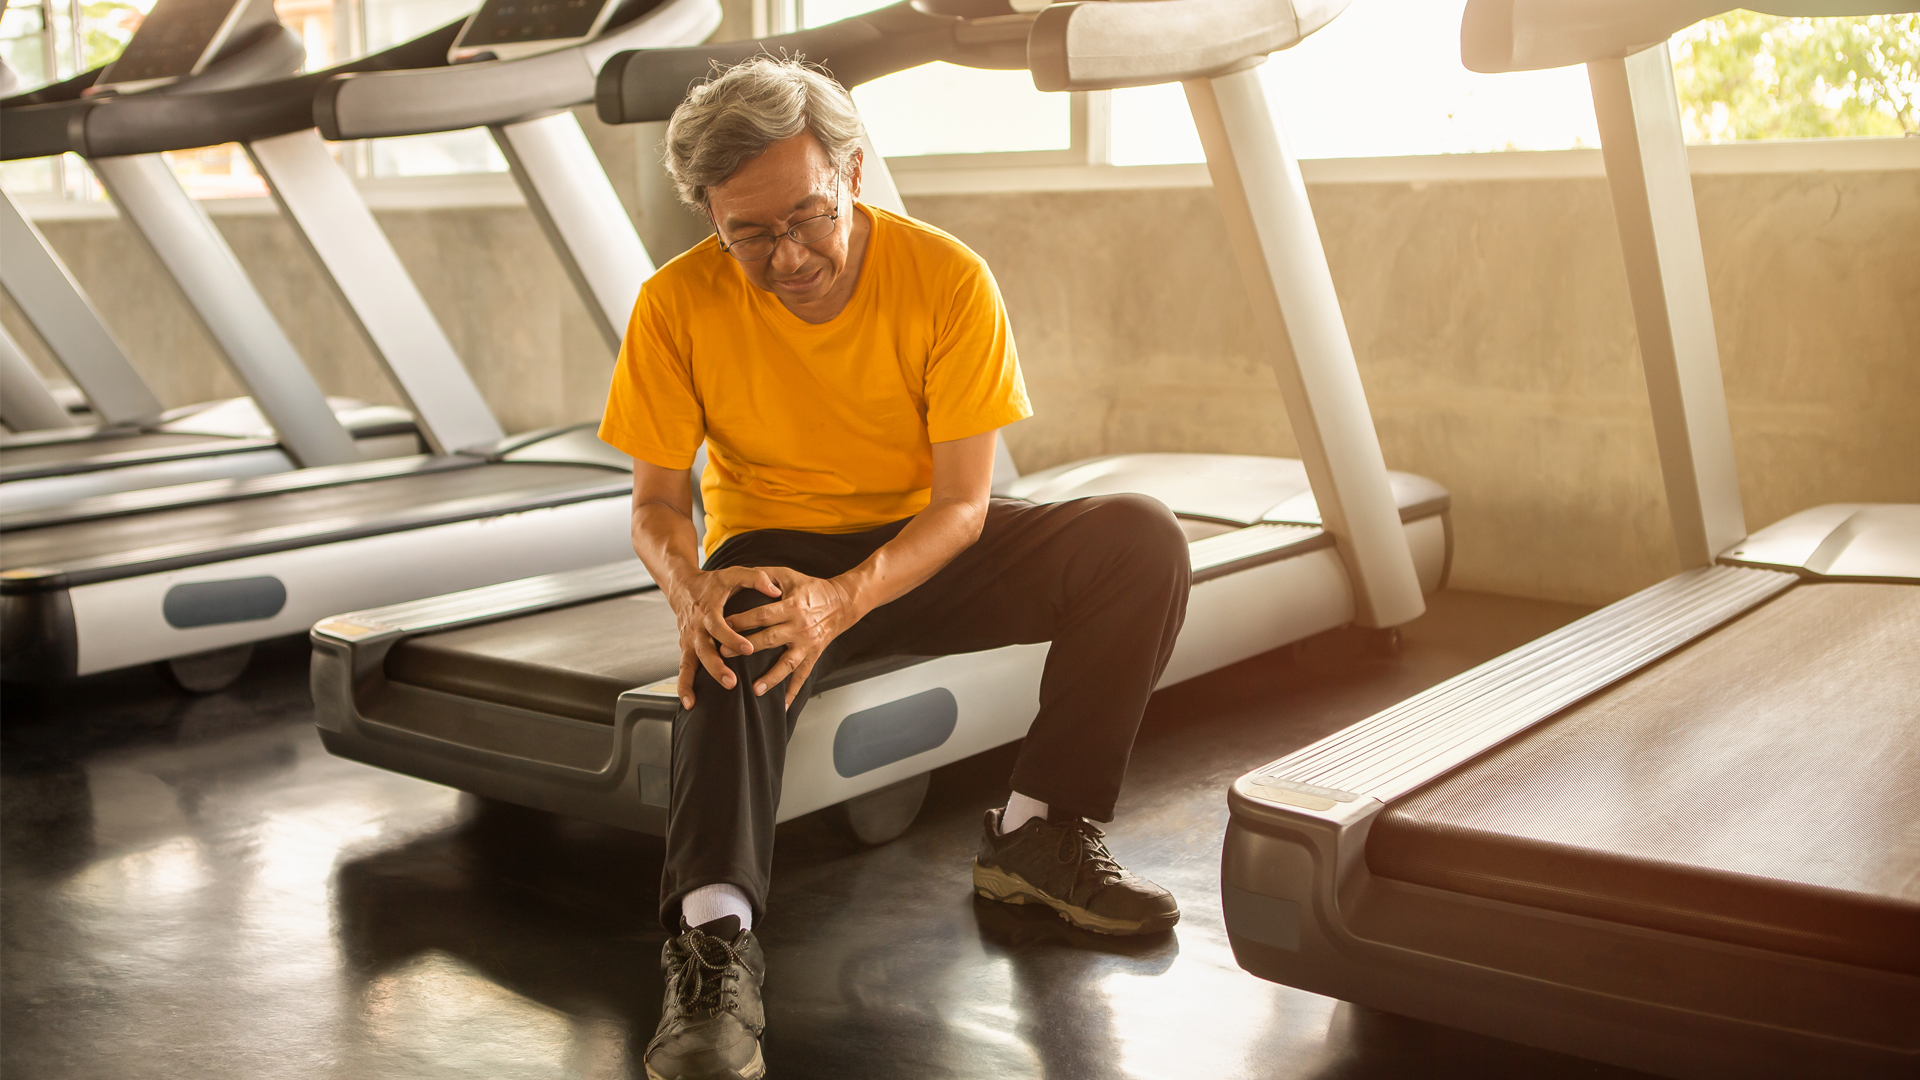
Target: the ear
(853, 174)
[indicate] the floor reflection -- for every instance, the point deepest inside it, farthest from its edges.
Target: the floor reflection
(194, 888)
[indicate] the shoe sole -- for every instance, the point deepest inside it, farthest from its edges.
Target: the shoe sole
(754, 1070)
(1010, 888)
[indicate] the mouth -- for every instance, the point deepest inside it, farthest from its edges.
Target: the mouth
(801, 284)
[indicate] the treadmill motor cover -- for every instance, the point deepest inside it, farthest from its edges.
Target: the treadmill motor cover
(1757, 787)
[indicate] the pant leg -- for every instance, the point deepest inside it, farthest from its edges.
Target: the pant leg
(1105, 579)
(730, 749)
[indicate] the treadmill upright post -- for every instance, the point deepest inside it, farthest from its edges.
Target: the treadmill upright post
(184, 239)
(25, 402)
(575, 204)
(1646, 157)
(1272, 228)
(65, 319)
(357, 259)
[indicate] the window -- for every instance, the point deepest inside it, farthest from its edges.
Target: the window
(1385, 80)
(48, 40)
(941, 109)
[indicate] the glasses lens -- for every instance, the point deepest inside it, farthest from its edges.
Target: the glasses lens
(752, 249)
(813, 229)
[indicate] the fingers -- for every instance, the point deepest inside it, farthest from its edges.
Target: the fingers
(794, 660)
(764, 615)
(685, 687)
(801, 673)
(714, 621)
(710, 659)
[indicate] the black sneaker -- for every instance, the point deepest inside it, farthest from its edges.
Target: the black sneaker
(711, 1022)
(1065, 865)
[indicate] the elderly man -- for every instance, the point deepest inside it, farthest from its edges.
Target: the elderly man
(848, 370)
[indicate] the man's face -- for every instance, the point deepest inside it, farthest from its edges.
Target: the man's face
(789, 183)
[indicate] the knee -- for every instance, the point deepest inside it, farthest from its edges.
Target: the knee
(1141, 528)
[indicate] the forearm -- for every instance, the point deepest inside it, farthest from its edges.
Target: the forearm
(930, 541)
(666, 542)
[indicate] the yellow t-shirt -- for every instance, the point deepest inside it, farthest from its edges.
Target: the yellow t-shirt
(822, 428)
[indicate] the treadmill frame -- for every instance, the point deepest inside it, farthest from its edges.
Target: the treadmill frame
(618, 773)
(1301, 906)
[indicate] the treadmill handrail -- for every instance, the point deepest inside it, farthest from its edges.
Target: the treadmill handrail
(646, 85)
(1104, 45)
(57, 127)
(1527, 35)
(143, 124)
(482, 94)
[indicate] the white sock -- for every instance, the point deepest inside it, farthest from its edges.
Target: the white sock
(710, 902)
(1019, 811)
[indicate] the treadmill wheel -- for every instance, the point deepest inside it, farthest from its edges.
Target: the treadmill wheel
(880, 816)
(207, 672)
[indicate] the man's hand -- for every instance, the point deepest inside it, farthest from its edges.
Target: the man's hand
(810, 613)
(700, 609)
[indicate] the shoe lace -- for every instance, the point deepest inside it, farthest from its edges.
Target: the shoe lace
(1088, 842)
(701, 984)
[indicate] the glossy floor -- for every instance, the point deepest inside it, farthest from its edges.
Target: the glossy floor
(193, 888)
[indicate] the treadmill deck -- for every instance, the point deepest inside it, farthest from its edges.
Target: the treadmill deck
(1756, 788)
(115, 539)
(572, 661)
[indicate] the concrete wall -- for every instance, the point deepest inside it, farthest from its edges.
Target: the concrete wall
(1495, 340)
(1489, 317)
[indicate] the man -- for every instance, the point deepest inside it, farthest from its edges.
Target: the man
(848, 370)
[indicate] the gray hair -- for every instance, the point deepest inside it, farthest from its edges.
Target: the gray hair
(733, 117)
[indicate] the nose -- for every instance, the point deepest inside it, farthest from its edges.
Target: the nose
(789, 255)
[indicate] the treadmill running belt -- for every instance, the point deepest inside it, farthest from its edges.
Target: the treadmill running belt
(573, 662)
(1759, 787)
(53, 453)
(65, 544)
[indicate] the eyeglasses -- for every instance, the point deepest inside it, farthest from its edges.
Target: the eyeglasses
(811, 231)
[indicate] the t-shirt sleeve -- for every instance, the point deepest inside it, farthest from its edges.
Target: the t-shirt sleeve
(973, 376)
(653, 413)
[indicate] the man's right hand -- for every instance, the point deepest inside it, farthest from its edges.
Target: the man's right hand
(705, 638)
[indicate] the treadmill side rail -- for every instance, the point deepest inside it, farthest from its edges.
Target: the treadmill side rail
(1418, 740)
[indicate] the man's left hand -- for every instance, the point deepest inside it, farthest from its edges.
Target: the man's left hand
(810, 613)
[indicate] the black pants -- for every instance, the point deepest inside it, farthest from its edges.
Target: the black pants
(1104, 579)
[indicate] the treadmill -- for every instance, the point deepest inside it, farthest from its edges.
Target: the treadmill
(183, 47)
(1683, 833)
(557, 692)
(193, 574)
(27, 403)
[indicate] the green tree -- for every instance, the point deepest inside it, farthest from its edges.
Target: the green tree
(106, 26)
(1749, 76)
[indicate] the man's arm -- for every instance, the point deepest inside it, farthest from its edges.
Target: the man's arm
(814, 611)
(664, 538)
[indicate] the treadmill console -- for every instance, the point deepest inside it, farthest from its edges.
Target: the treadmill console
(178, 38)
(508, 29)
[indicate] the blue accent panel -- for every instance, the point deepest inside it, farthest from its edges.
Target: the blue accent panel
(1268, 920)
(895, 731)
(211, 603)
